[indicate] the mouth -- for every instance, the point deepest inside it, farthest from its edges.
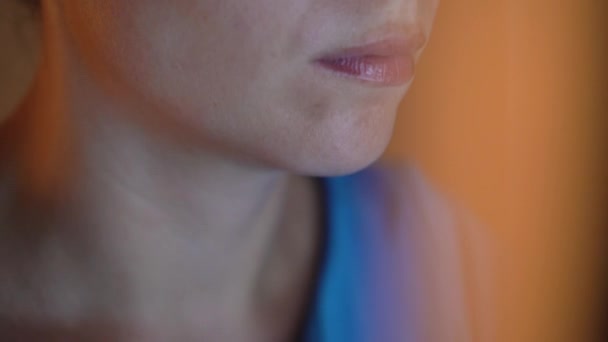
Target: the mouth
(388, 62)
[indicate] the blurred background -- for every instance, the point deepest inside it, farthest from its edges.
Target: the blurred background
(508, 116)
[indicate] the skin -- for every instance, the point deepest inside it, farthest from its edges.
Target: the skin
(162, 180)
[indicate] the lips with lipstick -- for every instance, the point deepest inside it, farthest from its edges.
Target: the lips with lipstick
(385, 63)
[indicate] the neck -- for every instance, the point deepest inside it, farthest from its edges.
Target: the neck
(138, 226)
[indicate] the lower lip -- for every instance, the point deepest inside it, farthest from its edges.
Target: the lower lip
(375, 70)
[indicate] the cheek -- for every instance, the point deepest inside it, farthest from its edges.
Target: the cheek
(186, 49)
(154, 50)
(215, 77)
(233, 78)
(107, 38)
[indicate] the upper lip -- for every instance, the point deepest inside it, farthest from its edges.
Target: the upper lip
(394, 43)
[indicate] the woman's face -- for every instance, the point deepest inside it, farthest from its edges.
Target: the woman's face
(244, 75)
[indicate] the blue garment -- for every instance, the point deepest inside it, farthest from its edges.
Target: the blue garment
(360, 294)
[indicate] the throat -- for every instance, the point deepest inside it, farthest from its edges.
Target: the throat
(83, 271)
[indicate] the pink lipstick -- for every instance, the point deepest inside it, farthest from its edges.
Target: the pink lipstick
(385, 63)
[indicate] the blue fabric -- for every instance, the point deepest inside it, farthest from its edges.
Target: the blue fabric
(358, 291)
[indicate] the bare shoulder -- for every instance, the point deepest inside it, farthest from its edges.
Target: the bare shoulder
(455, 256)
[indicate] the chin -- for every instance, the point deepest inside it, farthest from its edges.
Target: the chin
(344, 164)
(335, 147)
(349, 147)
(322, 143)
(336, 157)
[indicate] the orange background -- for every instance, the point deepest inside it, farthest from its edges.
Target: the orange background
(506, 114)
